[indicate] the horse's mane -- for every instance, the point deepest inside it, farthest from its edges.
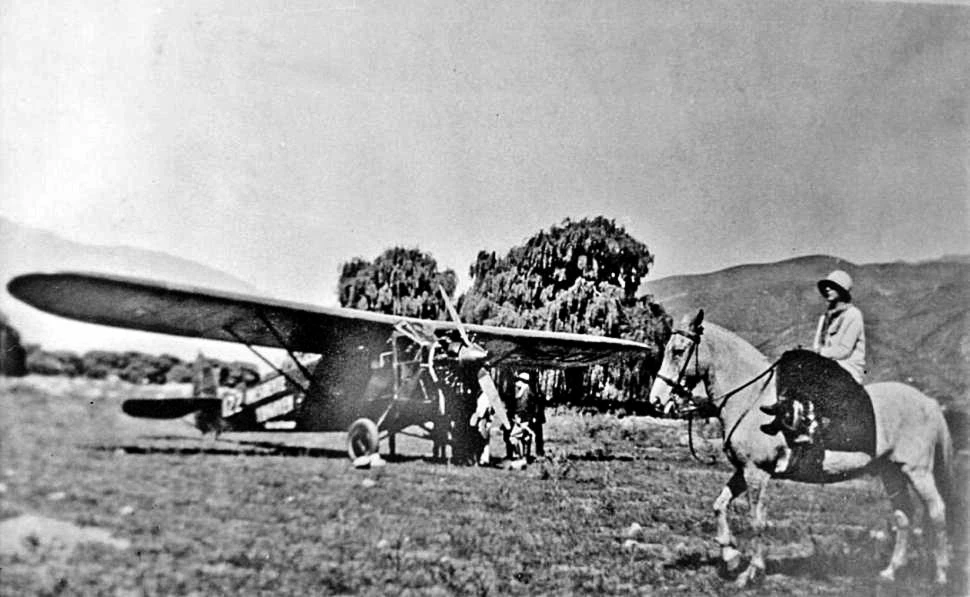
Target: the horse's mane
(720, 336)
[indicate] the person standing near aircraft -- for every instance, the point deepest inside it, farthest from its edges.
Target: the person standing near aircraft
(538, 420)
(481, 420)
(520, 435)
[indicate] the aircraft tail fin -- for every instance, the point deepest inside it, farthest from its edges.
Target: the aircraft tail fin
(168, 408)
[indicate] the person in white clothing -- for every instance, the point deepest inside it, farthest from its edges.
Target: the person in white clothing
(841, 332)
(841, 337)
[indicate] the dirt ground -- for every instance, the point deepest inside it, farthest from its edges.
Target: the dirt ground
(125, 507)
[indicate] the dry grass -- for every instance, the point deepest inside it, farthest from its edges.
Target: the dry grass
(619, 508)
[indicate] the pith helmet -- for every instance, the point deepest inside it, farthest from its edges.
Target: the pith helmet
(840, 281)
(523, 377)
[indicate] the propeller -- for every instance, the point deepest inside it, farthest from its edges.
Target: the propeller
(471, 353)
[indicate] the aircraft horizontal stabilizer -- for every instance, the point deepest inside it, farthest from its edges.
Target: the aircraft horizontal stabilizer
(168, 408)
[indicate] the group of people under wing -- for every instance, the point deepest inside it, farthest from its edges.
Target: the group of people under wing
(519, 430)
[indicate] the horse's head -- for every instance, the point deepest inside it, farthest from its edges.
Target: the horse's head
(681, 370)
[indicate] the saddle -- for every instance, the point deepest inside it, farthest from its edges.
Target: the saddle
(840, 408)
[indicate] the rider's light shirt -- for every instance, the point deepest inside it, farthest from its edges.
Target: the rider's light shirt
(841, 336)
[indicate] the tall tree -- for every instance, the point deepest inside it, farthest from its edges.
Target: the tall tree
(579, 277)
(399, 282)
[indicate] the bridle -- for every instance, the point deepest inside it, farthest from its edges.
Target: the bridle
(714, 405)
(677, 386)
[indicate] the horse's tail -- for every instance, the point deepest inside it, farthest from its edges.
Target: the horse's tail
(943, 462)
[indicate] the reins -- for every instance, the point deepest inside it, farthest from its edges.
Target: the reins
(716, 411)
(690, 442)
(724, 398)
(713, 409)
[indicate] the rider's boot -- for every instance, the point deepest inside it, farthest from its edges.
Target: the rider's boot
(776, 410)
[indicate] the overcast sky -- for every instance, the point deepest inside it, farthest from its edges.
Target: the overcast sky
(277, 139)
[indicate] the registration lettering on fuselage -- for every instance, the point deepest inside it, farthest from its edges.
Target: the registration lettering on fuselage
(270, 387)
(274, 409)
(232, 401)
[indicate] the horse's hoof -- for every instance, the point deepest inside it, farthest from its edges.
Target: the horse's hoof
(730, 568)
(753, 575)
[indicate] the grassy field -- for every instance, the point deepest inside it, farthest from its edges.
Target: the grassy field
(619, 507)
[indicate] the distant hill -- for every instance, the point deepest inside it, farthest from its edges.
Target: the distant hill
(917, 314)
(24, 249)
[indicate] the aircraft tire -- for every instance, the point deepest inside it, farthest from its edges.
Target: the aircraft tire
(363, 438)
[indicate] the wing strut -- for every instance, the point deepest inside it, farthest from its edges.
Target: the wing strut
(272, 329)
(269, 363)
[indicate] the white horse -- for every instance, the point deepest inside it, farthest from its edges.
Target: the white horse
(912, 449)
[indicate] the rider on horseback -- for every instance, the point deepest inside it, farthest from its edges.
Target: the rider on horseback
(841, 337)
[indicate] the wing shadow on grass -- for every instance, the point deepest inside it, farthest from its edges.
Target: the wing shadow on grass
(915, 578)
(822, 565)
(600, 455)
(223, 447)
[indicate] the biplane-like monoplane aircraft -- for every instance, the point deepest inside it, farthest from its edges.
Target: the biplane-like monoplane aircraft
(373, 374)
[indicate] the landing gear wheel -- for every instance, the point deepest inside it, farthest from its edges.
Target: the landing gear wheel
(363, 439)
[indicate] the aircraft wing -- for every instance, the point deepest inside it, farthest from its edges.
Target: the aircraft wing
(194, 312)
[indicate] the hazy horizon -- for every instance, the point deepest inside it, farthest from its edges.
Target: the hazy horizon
(275, 141)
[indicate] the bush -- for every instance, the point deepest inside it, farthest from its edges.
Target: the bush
(135, 367)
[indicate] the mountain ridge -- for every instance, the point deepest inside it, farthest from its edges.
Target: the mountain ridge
(24, 249)
(917, 313)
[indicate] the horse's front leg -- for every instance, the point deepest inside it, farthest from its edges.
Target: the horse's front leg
(758, 482)
(730, 556)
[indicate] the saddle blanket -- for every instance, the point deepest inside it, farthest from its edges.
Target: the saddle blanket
(843, 408)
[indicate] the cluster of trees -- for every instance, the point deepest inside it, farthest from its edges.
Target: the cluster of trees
(580, 276)
(136, 367)
(399, 282)
(573, 277)
(595, 250)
